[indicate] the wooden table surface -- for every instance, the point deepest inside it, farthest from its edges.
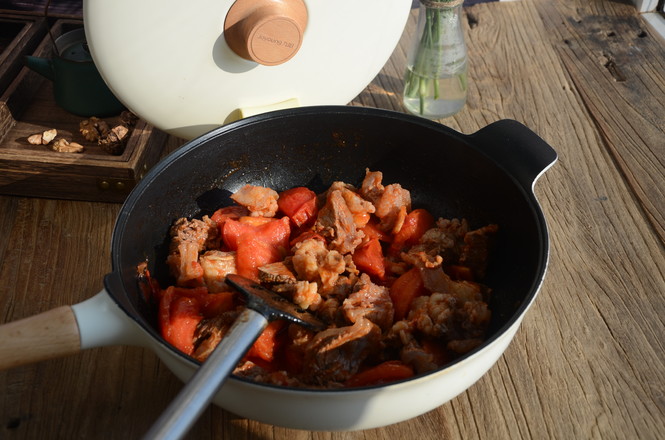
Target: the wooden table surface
(589, 359)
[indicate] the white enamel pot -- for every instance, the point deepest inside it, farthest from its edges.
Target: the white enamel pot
(183, 69)
(485, 177)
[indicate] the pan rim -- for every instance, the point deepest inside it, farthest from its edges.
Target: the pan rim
(520, 311)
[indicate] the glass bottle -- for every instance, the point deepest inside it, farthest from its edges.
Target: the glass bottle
(435, 83)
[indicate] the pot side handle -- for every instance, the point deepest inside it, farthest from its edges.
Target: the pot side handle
(48, 335)
(95, 322)
(517, 149)
(102, 322)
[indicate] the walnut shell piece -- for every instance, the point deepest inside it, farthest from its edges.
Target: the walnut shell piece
(111, 139)
(49, 135)
(35, 139)
(64, 146)
(43, 138)
(93, 128)
(114, 141)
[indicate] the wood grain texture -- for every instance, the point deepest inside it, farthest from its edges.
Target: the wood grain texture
(618, 67)
(48, 335)
(588, 361)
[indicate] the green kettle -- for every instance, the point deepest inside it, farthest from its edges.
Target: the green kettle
(77, 85)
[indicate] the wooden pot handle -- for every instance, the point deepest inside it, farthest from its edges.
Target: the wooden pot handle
(48, 335)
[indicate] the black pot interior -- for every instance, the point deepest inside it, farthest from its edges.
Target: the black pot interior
(445, 172)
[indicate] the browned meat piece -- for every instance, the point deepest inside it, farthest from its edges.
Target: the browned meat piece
(476, 249)
(436, 280)
(343, 287)
(392, 207)
(313, 262)
(435, 315)
(401, 333)
(414, 355)
(421, 259)
(335, 354)
(306, 295)
(453, 227)
(277, 272)
(250, 370)
(188, 239)
(444, 316)
(302, 293)
(474, 318)
(445, 240)
(203, 232)
(335, 222)
(360, 208)
(369, 301)
(397, 268)
(372, 188)
(461, 346)
(401, 336)
(330, 311)
(261, 201)
(216, 265)
(210, 331)
(299, 335)
(392, 202)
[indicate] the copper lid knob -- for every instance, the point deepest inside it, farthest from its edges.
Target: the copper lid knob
(269, 32)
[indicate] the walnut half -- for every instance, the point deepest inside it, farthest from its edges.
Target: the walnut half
(64, 146)
(112, 139)
(93, 129)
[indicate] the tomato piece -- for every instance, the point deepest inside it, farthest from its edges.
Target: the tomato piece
(228, 212)
(276, 233)
(179, 315)
(385, 372)
(268, 342)
(193, 292)
(217, 303)
(253, 253)
(232, 230)
(271, 230)
(306, 214)
(371, 230)
(369, 258)
(256, 242)
(299, 204)
(416, 223)
(148, 285)
(255, 221)
(404, 290)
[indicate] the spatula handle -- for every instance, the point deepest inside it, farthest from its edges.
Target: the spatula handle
(194, 398)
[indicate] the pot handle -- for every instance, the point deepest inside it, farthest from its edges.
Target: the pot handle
(102, 322)
(521, 152)
(67, 330)
(37, 338)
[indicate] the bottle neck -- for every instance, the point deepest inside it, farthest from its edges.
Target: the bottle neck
(441, 4)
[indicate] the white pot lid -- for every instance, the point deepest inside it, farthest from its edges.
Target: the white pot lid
(169, 62)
